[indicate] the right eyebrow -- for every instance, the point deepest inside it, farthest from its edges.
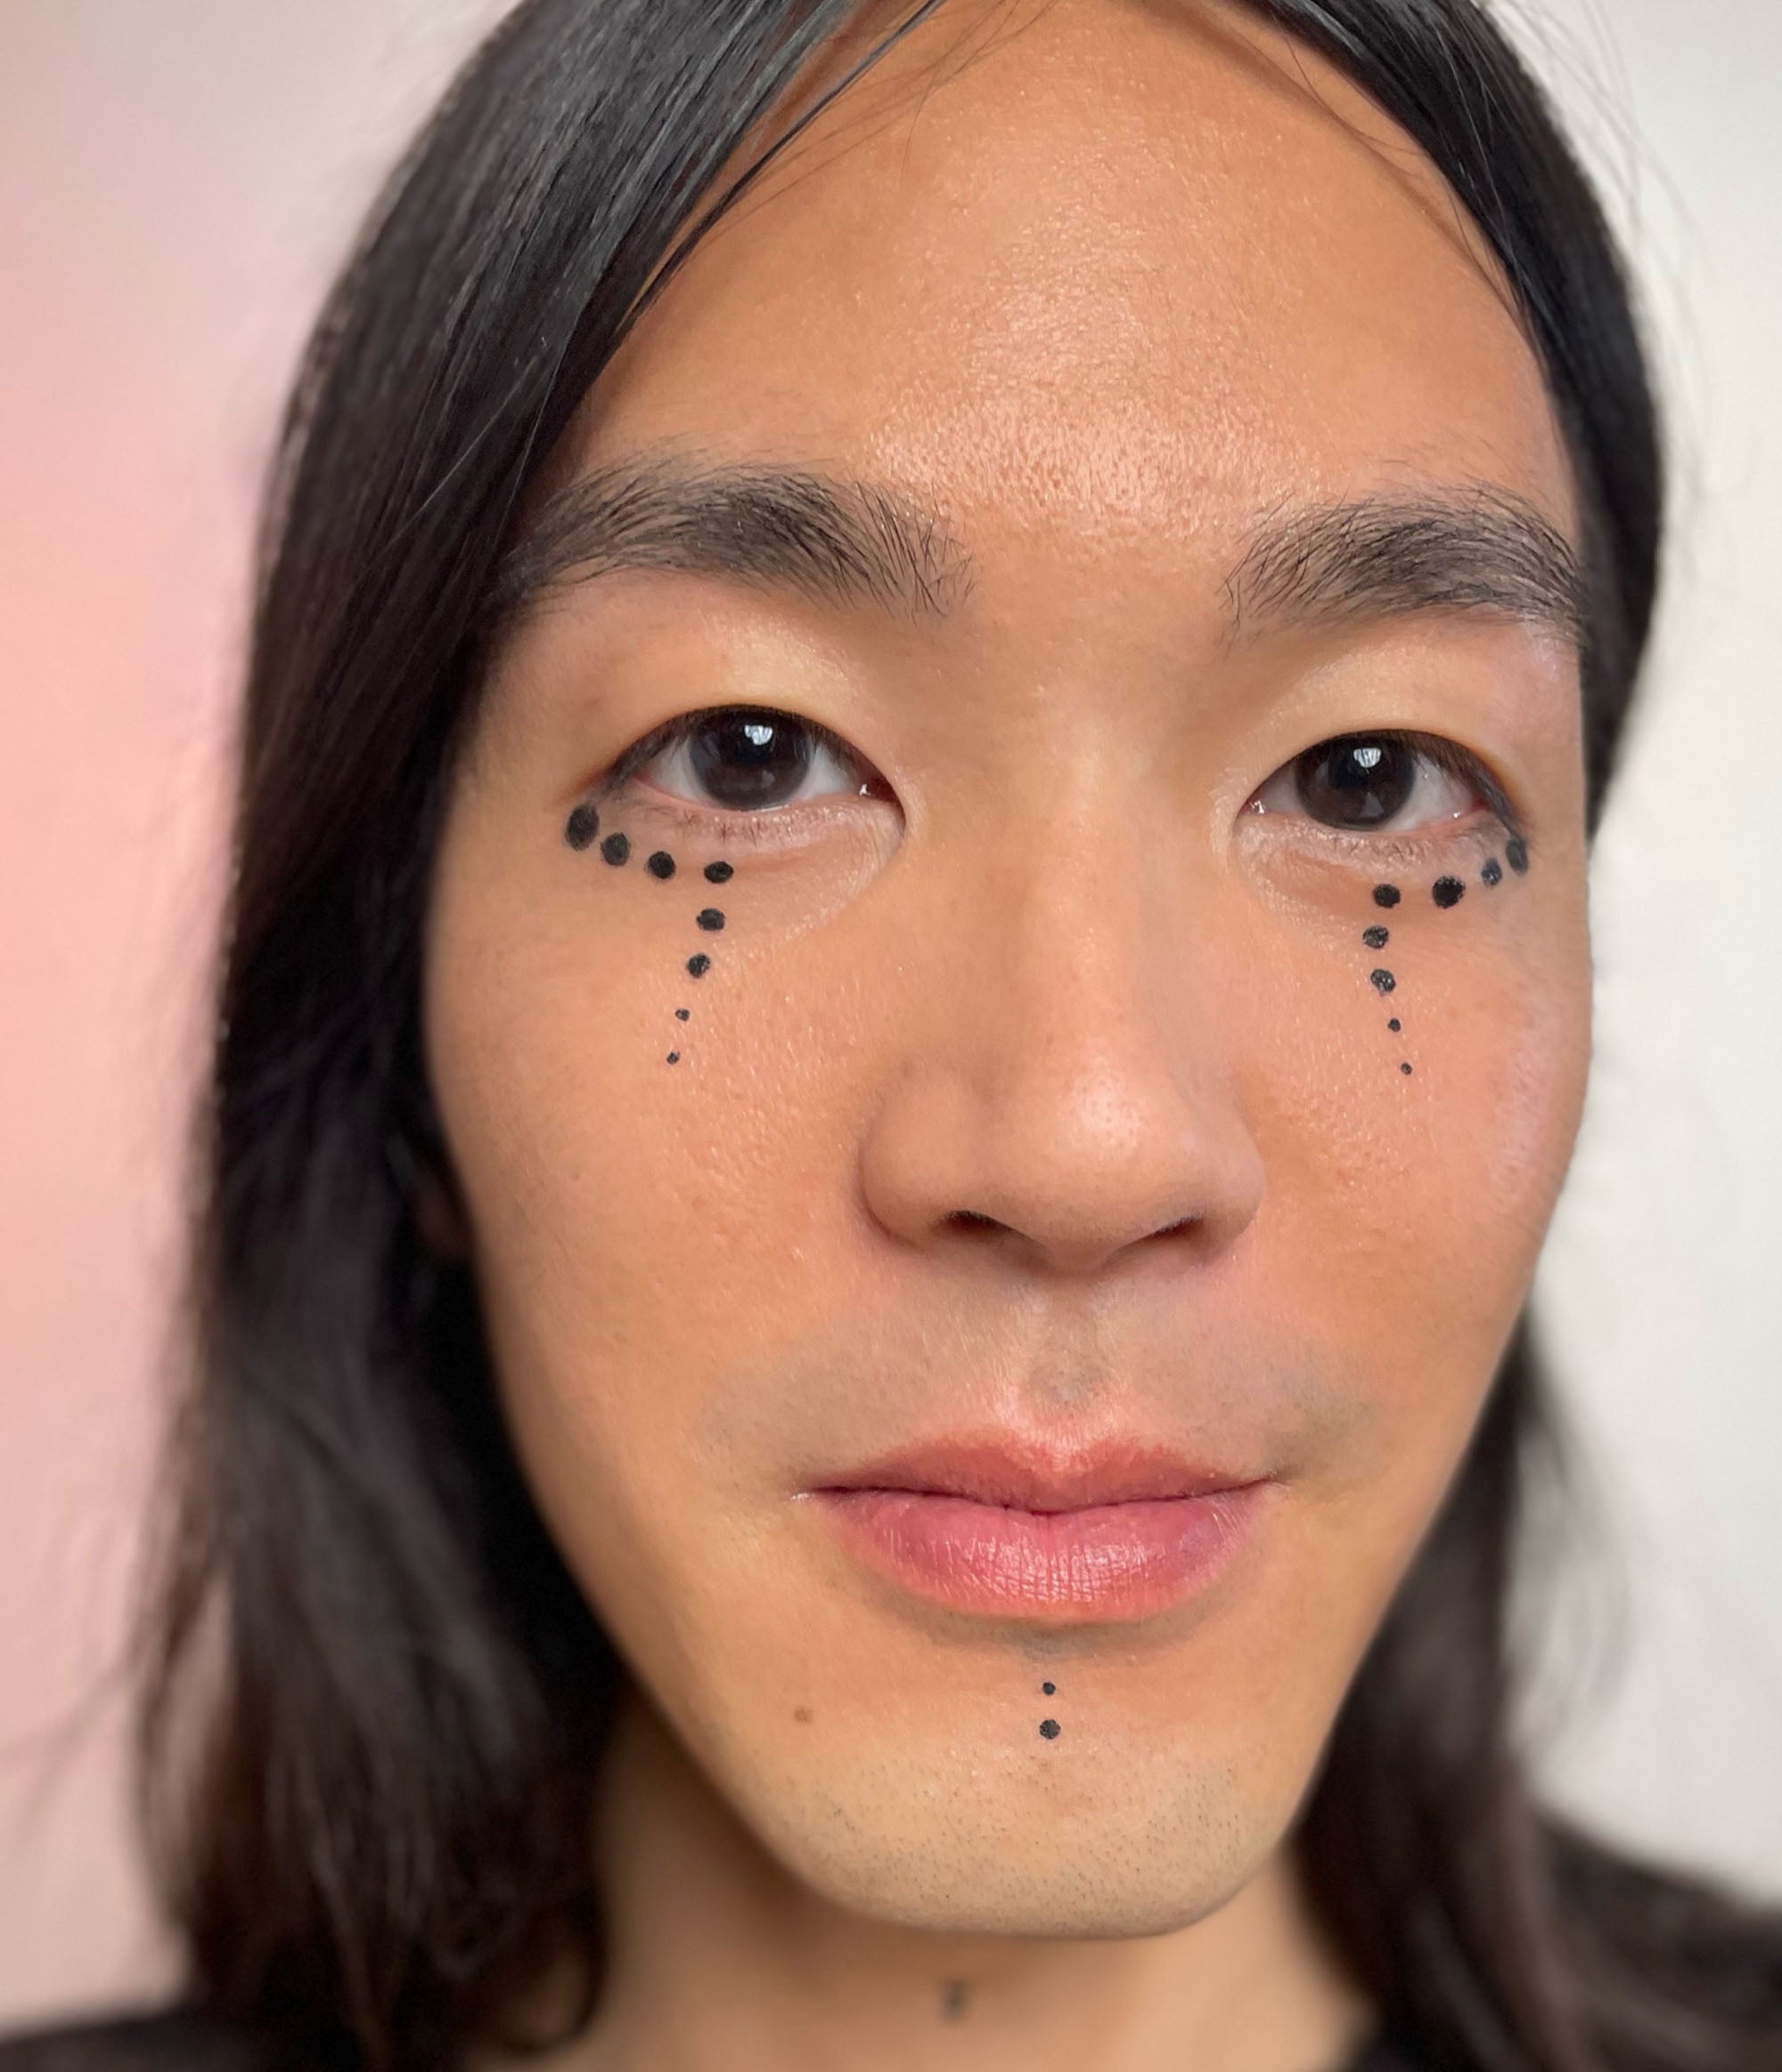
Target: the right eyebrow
(837, 538)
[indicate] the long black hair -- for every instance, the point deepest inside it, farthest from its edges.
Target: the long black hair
(377, 1701)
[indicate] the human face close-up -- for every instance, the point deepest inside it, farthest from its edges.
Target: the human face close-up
(999, 1180)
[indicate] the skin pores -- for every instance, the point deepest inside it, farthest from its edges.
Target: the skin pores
(1039, 1093)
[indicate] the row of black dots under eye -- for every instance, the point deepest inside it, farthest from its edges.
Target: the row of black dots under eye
(1447, 893)
(581, 830)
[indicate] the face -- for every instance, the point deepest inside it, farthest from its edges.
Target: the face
(1007, 981)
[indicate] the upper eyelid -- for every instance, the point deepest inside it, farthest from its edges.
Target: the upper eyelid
(1447, 755)
(672, 731)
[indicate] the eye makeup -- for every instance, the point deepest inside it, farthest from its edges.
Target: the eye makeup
(579, 831)
(1445, 893)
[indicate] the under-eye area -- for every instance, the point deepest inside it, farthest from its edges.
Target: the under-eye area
(1405, 813)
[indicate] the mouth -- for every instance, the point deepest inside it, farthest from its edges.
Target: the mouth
(1117, 1532)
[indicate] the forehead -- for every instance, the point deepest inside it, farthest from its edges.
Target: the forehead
(1100, 268)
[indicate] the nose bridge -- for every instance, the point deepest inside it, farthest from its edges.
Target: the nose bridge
(1071, 1082)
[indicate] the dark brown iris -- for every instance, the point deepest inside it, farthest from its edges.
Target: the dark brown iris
(1357, 780)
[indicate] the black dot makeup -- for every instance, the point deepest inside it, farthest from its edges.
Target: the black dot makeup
(698, 964)
(1049, 1729)
(1382, 982)
(1386, 895)
(1490, 872)
(1516, 854)
(1047, 1689)
(659, 864)
(681, 1013)
(1405, 1069)
(720, 872)
(673, 1057)
(1377, 938)
(1448, 891)
(616, 848)
(1394, 1024)
(581, 827)
(709, 918)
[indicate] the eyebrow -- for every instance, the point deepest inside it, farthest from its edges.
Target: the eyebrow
(836, 539)
(1483, 549)
(1477, 548)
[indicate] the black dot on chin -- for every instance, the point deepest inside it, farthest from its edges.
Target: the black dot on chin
(1386, 895)
(616, 848)
(1046, 1690)
(698, 964)
(681, 1013)
(1447, 891)
(1516, 854)
(1376, 937)
(955, 1998)
(1394, 1024)
(673, 1057)
(660, 864)
(581, 827)
(709, 918)
(1492, 871)
(719, 873)
(1382, 982)
(1405, 1069)
(1049, 1729)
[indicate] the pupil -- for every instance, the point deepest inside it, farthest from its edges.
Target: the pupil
(750, 759)
(1355, 781)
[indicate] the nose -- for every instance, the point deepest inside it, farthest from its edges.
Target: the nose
(1066, 1093)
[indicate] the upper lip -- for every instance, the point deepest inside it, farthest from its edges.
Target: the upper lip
(1026, 1474)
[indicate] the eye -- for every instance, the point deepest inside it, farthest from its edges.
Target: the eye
(747, 759)
(1384, 783)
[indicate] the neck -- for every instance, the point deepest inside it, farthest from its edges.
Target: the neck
(717, 1957)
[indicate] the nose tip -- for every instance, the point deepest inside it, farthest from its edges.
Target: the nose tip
(1061, 1088)
(1068, 1171)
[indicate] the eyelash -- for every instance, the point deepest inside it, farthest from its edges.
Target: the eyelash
(730, 825)
(719, 823)
(1447, 755)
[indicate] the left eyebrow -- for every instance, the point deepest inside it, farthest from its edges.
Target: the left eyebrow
(1479, 550)
(837, 539)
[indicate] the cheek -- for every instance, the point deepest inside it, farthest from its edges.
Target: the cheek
(631, 1074)
(1405, 1209)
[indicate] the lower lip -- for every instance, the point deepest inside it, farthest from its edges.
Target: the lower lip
(1104, 1561)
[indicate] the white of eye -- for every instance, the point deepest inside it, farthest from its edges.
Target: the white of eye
(672, 769)
(1437, 792)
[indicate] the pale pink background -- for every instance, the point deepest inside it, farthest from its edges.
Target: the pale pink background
(178, 180)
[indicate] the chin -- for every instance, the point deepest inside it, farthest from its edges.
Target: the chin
(1126, 1846)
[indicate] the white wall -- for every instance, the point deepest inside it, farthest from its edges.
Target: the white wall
(1661, 1282)
(178, 179)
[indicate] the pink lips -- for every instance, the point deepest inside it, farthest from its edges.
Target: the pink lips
(1117, 1533)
